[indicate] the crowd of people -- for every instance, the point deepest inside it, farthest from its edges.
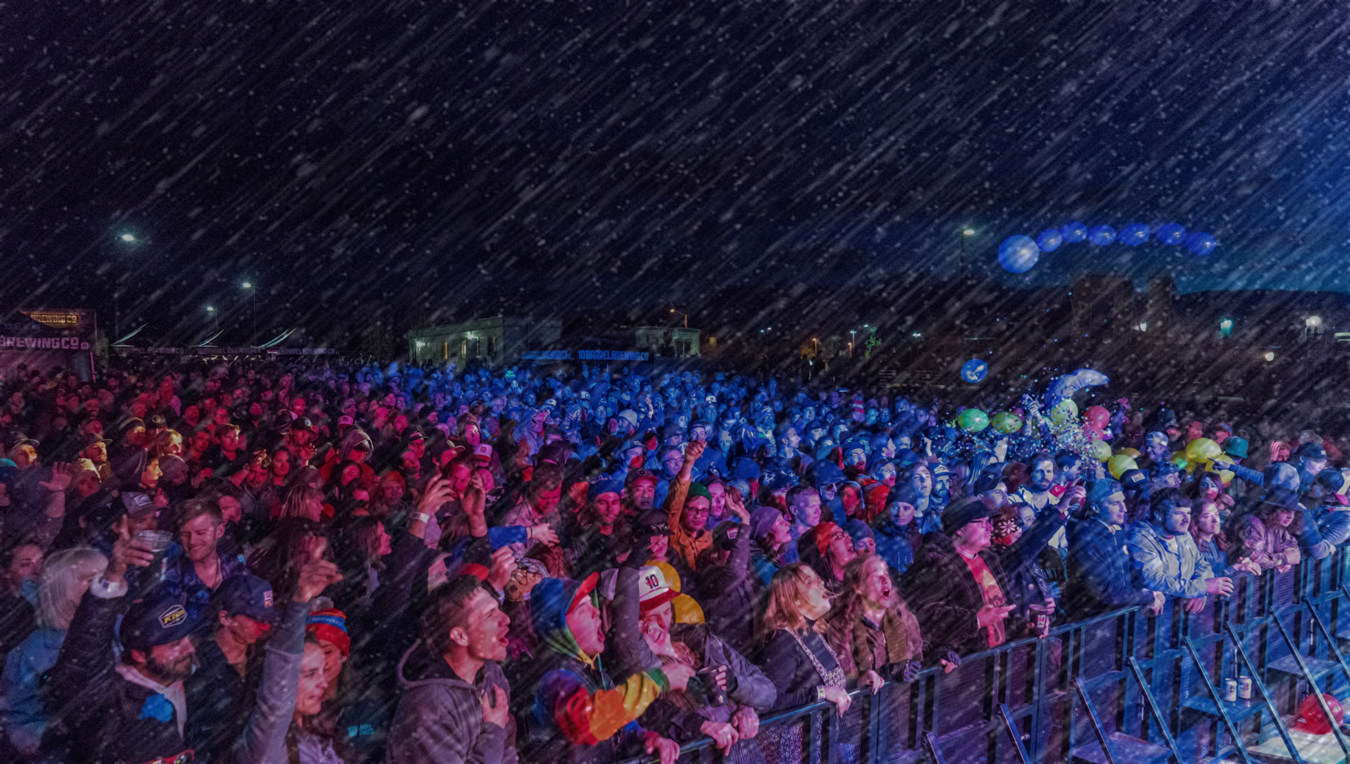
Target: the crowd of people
(257, 562)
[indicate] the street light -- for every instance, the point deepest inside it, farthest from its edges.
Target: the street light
(215, 317)
(686, 317)
(252, 307)
(1226, 327)
(852, 337)
(964, 233)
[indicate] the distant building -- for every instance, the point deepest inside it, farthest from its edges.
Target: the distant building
(1160, 318)
(678, 342)
(1103, 306)
(490, 341)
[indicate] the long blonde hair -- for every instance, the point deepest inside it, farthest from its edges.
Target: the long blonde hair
(789, 587)
(59, 590)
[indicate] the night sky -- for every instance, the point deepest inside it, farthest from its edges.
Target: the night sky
(414, 162)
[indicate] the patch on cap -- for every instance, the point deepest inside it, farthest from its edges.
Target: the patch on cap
(173, 616)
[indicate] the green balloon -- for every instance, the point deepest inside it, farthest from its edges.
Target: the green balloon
(973, 420)
(1006, 423)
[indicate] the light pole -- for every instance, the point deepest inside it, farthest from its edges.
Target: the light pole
(964, 233)
(127, 240)
(252, 308)
(215, 317)
(686, 317)
(852, 337)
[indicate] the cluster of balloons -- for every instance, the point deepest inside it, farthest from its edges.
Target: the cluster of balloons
(1017, 254)
(974, 420)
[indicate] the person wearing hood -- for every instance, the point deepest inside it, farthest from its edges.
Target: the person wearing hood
(958, 590)
(455, 706)
(896, 532)
(578, 712)
(771, 532)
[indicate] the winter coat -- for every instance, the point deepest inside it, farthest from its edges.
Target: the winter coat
(1266, 544)
(576, 713)
(440, 716)
(102, 717)
(22, 715)
(1171, 565)
(865, 646)
(792, 671)
(1027, 583)
(218, 700)
(679, 716)
(1334, 525)
(728, 596)
(896, 545)
(1099, 571)
(264, 738)
(945, 597)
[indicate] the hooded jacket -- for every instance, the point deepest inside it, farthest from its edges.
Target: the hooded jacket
(439, 719)
(579, 714)
(1099, 571)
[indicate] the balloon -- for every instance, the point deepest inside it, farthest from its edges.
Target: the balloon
(1171, 234)
(974, 370)
(1203, 449)
(1225, 475)
(1102, 234)
(1134, 234)
(973, 420)
(1200, 244)
(1133, 453)
(1120, 464)
(1101, 450)
(1006, 423)
(1098, 417)
(1073, 232)
(1312, 720)
(1017, 254)
(1064, 412)
(1067, 385)
(1049, 240)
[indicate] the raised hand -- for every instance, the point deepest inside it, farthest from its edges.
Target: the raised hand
(62, 474)
(315, 576)
(127, 551)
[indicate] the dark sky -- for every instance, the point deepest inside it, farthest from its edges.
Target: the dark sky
(402, 158)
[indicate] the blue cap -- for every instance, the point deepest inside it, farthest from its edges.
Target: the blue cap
(604, 484)
(246, 594)
(160, 618)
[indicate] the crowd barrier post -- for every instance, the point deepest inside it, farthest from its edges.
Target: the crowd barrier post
(1312, 682)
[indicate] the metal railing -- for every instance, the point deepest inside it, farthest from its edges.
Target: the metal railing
(1124, 675)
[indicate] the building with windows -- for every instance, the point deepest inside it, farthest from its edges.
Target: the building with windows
(667, 341)
(489, 341)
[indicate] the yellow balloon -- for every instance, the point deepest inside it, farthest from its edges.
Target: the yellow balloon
(1133, 453)
(1219, 463)
(1202, 449)
(1064, 412)
(686, 609)
(1120, 464)
(1101, 450)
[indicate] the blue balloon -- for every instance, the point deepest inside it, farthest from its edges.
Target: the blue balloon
(1049, 240)
(1134, 234)
(1073, 232)
(1017, 254)
(1200, 244)
(974, 370)
(1102, 234)
(1171, 234)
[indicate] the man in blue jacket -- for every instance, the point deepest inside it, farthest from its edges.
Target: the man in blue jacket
(1098, 565)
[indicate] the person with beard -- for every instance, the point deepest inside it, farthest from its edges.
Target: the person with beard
(133, 711)
(455, 706)
(1098, 567)
(194, 566)
(1164, 557)
(602, 538)
(1028, 585)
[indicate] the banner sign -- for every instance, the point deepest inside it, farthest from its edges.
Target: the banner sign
(584, 355)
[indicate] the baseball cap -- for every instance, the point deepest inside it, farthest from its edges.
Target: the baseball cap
(482, 452)
(1133, 479)
(137, 504)
(1101, 489)
(640, 474)
(653, 590)
(158, 619)
(246, 594)
(604, 484)
(962, 513)
(345, 421)
(1334, 482)
(1312, 451)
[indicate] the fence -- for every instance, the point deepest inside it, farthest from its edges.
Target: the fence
(1124, 687)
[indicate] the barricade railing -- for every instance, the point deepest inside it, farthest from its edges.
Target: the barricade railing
(1127, 675)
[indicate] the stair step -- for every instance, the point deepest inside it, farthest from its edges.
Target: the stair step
(1124, 748)
(1287, 665)
(1237, 711)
